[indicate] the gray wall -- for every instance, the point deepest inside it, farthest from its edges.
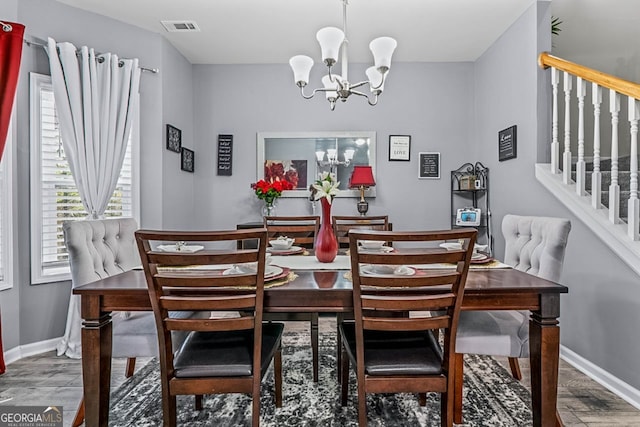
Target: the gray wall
(431, 102)
(456, 109)
(38, 313)
(600, 312)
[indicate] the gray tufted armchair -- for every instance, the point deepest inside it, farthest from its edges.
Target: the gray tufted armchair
(99, 249)
(535, 245)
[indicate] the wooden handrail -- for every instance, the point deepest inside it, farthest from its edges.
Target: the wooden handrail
(625, 87)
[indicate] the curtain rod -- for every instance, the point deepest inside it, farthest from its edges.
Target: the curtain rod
(41, 43)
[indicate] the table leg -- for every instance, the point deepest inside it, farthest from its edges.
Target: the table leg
(544, 348)
(96, 361)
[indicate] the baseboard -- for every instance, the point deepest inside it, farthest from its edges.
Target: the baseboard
(602, 377)
(32, 349)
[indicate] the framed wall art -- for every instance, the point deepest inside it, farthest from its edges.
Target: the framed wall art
(174, 139)
(507, 143)
(187, 160)
(400, 147)
(429, 166)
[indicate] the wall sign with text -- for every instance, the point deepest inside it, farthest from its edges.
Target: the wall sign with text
(507, 143)
(429, 166)
(400, 147)
(225, 154)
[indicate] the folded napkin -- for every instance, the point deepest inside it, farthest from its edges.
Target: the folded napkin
(301, 262)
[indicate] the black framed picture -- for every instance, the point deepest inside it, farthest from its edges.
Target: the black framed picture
(429, 165)
(174, 139)
(187, 160)
(400, 148)
(507, 143)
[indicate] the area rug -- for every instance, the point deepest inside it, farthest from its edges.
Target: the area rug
(491, 397)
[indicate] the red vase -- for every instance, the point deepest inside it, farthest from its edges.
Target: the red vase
(326, 245)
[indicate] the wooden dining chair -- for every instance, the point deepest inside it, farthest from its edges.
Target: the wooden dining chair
(304, 229)
(342, 224)
(535, 245)
(391, 351)
(220, 354)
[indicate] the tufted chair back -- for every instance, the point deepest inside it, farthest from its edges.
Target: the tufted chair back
(100, 248)
(536, 245)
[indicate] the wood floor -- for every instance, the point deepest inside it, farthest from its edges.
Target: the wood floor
(46, 379)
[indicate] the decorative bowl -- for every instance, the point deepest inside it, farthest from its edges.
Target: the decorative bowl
(282, 244)
(372, 244)
(451, 246)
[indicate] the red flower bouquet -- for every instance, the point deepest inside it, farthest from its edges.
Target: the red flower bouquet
(269, 191)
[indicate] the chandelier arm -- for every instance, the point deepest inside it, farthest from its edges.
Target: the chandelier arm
(320, 89)
(375, 99)
(362, 83)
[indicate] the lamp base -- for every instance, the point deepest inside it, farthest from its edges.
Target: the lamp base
(363, 207)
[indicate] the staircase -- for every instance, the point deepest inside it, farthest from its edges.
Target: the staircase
(612, 208)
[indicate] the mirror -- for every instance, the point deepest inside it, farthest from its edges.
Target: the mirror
(300, 157)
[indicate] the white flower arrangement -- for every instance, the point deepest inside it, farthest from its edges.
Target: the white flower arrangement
(326, 186)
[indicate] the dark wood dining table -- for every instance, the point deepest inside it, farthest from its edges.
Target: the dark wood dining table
(330, 291)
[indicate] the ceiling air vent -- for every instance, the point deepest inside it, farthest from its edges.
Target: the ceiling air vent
(180, 26)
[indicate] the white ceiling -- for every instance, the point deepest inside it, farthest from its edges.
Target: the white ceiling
(271, 31)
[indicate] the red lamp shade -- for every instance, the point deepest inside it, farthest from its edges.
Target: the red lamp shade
(362, 176)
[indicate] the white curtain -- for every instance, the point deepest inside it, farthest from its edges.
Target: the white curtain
(95, 96)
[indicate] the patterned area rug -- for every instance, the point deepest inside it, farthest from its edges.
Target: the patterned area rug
(491, 397)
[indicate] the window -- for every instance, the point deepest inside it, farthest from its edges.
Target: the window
(6, 198)
(54, 195)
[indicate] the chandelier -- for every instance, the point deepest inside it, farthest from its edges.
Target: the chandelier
(337, 86)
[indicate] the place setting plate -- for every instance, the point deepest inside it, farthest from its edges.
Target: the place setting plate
(480, 258)
(383, 270)
(382, 249)
(271, 272)
(181, 249)
(291, 251)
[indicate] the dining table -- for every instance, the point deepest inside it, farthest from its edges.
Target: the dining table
(314, 287)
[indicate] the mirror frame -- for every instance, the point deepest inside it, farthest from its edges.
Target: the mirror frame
(261, 157)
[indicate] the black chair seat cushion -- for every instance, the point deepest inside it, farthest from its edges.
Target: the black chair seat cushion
(395, 353)
(226, 353)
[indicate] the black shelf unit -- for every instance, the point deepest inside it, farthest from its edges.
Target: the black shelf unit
(470, 189)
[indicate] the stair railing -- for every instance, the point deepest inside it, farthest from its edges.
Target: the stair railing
(617, 88)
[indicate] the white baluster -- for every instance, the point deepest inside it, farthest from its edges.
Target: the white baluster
(614, 188)
(633, 210)
(566, 156)
(555, 144)
(596, 176)
(581, 89)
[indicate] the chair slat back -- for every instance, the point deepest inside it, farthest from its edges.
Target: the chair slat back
(205, 280)
(342, 224)
(302, 228)
(387, 286)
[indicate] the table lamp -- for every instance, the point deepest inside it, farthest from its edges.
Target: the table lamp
(362, 178)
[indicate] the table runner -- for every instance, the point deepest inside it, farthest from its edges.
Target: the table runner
(301, 262)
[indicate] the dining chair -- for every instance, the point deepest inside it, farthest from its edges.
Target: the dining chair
(342, 224)
(391, 351)
(304, 230)
(99, 249)
(535, 245)
(220, 354)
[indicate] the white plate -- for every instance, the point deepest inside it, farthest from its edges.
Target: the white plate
(186, 248)
(477, 256)
(383, 249)
(401, 270)
(278, 251)
(270, 271)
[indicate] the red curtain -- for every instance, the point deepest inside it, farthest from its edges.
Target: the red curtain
(10, 55)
